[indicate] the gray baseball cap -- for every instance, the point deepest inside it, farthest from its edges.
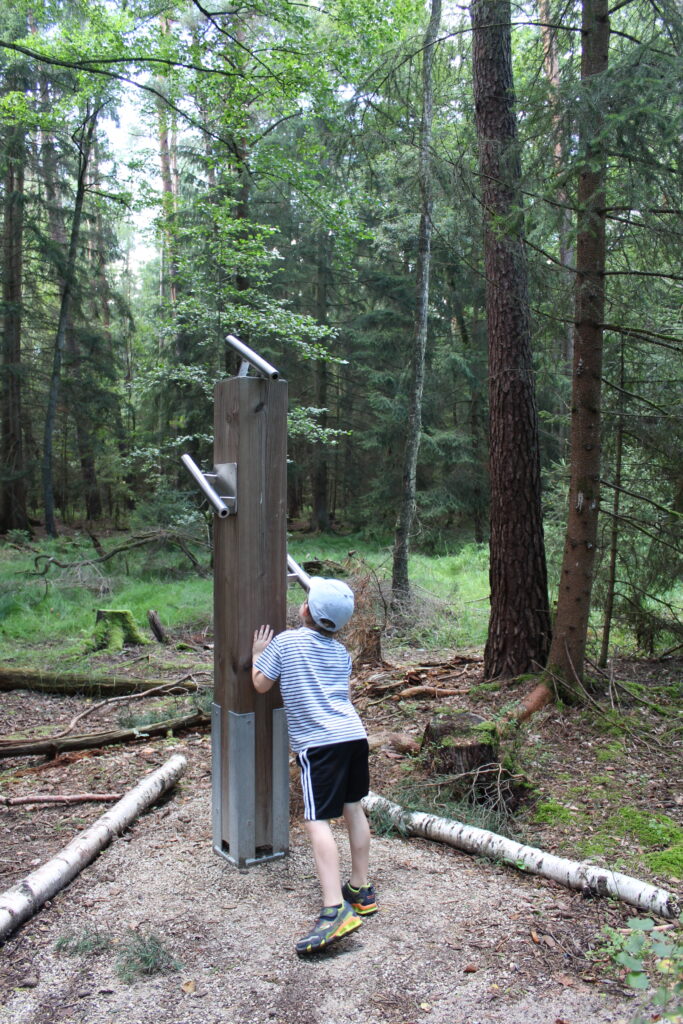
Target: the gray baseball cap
(330, 603)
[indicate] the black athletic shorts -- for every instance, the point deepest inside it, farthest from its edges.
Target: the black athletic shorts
(333, 776)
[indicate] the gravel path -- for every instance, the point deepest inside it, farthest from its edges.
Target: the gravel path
(457, 941)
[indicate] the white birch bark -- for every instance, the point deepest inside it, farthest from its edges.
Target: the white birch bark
(23, 899)
(574, 874)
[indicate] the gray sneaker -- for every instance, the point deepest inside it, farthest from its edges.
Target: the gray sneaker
(332, 924)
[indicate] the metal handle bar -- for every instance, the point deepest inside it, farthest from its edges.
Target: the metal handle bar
(195, 472)
(252, 357)
(302, 578)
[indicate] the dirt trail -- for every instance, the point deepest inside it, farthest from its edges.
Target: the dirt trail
(457, 941)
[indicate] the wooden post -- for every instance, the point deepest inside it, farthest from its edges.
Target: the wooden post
(250, 784)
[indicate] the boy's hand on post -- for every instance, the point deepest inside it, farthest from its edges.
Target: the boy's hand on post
(262, 637)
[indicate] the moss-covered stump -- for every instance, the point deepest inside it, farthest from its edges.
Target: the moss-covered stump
(457, 742)
(115, 627)
(464, 748)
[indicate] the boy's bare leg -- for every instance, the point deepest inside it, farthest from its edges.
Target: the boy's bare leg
(359, 842)
(326, 857)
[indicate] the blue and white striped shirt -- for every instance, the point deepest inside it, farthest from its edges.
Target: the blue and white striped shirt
(314, 672)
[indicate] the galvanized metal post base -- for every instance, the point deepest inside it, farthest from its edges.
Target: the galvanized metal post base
(234, 806)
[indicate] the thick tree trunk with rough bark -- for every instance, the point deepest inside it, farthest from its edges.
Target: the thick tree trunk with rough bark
(567, 654)
(400, 586)
(519, 630)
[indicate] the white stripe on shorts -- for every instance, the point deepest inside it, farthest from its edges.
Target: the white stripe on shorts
(306, 786)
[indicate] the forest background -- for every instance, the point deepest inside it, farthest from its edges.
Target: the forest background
(326, 183)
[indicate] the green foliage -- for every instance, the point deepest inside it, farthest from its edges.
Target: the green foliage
(130, 719)
(434, 796)
(383, 824)
(650, 830)
(142, 955)
(649, 958)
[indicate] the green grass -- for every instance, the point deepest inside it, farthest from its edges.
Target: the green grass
(143, 955)
(451, 591)
(58, 607)
(39, 612)
(630, 835)
(88, 942)
(549, 812)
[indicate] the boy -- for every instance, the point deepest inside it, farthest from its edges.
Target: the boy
(331, 749)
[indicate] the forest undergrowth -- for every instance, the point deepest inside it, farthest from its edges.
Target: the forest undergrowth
(601, 781)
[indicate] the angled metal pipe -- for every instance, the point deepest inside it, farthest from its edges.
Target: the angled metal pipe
(257, 361)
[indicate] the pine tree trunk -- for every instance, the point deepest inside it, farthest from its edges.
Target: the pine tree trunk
(320, 512)
(551, 64)
(400, 585)
(13, 512)
(519, 630)
(614, 526)
(567, 654)
(85, 147)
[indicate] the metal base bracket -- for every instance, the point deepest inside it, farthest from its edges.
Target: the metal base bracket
(238, 804)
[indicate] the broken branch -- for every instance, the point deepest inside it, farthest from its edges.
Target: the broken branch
(56, 798)
(53, 745)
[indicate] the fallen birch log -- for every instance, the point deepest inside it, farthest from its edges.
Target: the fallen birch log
(22, 900)
(587, 878)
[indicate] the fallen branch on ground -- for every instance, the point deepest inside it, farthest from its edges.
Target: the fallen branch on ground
(56, 798)
(587, 878)
(22, 900)
(167, 689)
(89, 686)
(428, 691)
(401, 742)
(53, 745)
(157, 537)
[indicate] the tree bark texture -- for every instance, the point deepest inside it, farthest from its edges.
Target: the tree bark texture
(519, 630)
(587, 878)
(551, 64)
(567, 654)
(400, 586)
(13, 514)
(22, 900)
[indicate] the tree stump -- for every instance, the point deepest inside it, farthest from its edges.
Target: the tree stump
(114, 628)
(370, 647)
(458, 742)
(465, 747)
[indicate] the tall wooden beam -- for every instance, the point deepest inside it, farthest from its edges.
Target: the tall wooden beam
(250, 582)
